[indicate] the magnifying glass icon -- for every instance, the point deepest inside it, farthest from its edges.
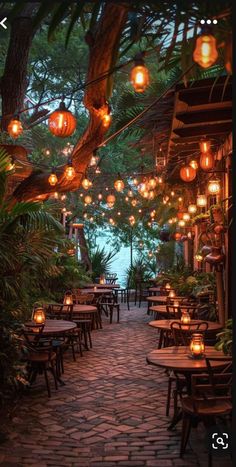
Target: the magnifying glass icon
(220, 441)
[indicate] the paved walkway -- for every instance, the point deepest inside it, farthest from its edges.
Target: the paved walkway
(110, 412)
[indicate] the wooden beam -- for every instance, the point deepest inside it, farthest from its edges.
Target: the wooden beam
(205, 116)
(206, 94)
(204, 130)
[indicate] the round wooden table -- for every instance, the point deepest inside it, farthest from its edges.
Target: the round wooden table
(164, 325)
(178, 359)
(102, 286)
(162, 309)
(97, 291)
(158, 299)
(154, 290)
(54, 327)
(89, 311)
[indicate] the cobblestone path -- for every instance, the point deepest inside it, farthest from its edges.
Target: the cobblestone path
(110, 412)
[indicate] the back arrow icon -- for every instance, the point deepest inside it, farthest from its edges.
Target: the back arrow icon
(2, 23)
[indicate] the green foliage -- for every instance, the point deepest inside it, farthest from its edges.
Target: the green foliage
(165, 256)
(225, 338)
(140, 271)
(101, 261)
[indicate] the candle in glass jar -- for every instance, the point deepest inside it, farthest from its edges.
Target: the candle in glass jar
(172, 294)
(197, 346)
(39, 316)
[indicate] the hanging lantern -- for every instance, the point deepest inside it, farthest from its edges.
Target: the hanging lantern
(100, 196)
(214, 186)
(56, 195)
(172, 193)
(130, 194)
(151, 195)
(68, 298)
(88, 199)
(199, 257)
(207, 161)
(180, 199)
(62, 122)
(152, 183)
(185, 317)
(111, 200)
(139, 76)
(201, 201)
(192, 208)
(205, 53)
(187, 173)
(142, 187)
(69, 172)
(39, 316)
(52, 179)
(205, 146)
(132, 220)
(181, 223)
(145, 194)
(134, 202)
(86, 183)
(15, 127)
(193, 164)
(119, 185)
(186, 216)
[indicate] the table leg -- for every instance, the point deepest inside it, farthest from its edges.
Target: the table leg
(160, 339)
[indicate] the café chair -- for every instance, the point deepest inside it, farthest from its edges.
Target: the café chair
(108, 304)
(39, 354)
(211, 397)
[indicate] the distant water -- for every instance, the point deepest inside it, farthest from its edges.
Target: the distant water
(121, 261)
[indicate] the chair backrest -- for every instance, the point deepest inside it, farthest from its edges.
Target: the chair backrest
(59, 311)
(111, 278)
(215, 388)
(75, 295)
(182, 333)
(226, 361)
(32, 335)
(85, 299)
(173, 311)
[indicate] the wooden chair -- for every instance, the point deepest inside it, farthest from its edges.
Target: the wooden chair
(180, 336)
(59, 311)
(39, 354)
(141, 291)
(76, 294)
(85, 299)
(111, 278)
(211, 397)
(108, 304)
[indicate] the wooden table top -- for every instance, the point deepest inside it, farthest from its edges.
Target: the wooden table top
(97, 291)
(84, 309)
(54, 326)
(157, 298)
(103, 286)
(178, 359)
(166, 323)
(154, 289)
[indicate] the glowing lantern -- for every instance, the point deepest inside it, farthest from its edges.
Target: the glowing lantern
(201, 201)
(119, 185)
(214, 187)
(111, 200)
(181, 223)
(197, 346)
(171, 294)
(185, 317)
(88, 199)
(142, 187)
(193, 164)
(39, 316)
(69, 172)
(100, 196)
(177, 236)
(15, 127)
(68, 299)
(205, 146)
(151, 195)
(205, 53)
(186, 216)
(187, 173)
(206, 161)
(132, 220)
(139, 76)
(145, 194)
(86, 183)
(62, 122)
(192, 208)
(198, 257)
(134, 202)
(135, 181)
(130, 194)
(167, 286)
(52, 179)
(152, 183)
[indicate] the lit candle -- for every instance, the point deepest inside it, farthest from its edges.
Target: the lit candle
(197, 346)
(168, 286)
(39, 316)
(68, 300)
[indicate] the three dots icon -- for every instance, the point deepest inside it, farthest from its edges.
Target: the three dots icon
(208, 21)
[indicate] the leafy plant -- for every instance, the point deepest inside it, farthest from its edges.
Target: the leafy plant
(225, 338)
(140, 271)
(101, 261)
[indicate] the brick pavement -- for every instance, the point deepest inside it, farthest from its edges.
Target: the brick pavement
(110, 412)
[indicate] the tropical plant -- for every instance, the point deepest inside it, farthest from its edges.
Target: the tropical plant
(139, 271)
(225, 338)
(101, 261)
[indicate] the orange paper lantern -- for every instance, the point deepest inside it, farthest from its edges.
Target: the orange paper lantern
(187, 173)
(62, 122)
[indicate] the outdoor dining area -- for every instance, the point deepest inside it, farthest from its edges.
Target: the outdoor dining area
(116, 234)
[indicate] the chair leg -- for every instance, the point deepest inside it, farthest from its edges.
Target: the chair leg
(90, 340)
(186, 427)
(118, 314)
(47, 382)
(111, 315)
(168, 397)
(54, 374)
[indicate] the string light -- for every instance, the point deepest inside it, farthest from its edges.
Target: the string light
(88, 199)
(207, 161)
(100, 196)
(152, 183)
(192, 208)
(111, 200)
(69, 171)
(201, 201)
(214, 186)
(15, 127)
(52, 179)
(86, 183)
(193, 164)
(119, 185)
(181, 223)
(134, 202)
(186, 216)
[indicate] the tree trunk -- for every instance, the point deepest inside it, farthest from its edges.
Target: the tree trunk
(84, 250)
(13, 83)
(104, 45)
